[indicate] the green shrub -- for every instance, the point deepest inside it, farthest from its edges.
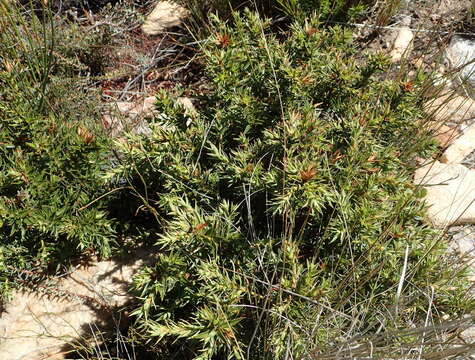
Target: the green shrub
(52, 153)
(285, 204)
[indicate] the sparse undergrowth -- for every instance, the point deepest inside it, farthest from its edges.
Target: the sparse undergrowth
(283, 206)
(326, 9)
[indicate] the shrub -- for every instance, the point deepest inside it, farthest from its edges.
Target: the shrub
(285, 204)
(52, 154)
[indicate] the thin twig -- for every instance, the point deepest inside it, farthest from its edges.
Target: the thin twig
(102, 196)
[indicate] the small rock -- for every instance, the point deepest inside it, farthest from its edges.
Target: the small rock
(463, 240)
(469, 160)
(165, 15)
(131, 116)
(446, 135)
(450, 107)
(187, 103)
(190, 109)
(450, 193)
(468, 335)
(143, 108)
(402, 44)
(461, 147)
(460, 56)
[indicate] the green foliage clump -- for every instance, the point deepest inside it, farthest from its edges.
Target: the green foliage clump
(285, 203)
(51, 154)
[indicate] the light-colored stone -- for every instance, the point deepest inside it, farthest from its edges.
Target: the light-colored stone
(461, 147)
(165, 15)
(187, 103)
(143, 108)
(446, 135)
(132, 116)
(190, 109)
(460, 57)
(468, 336)
(39, 326)
(402, 45)
(463, 240)
(450, 108)
(450, 193)
(129, 116)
